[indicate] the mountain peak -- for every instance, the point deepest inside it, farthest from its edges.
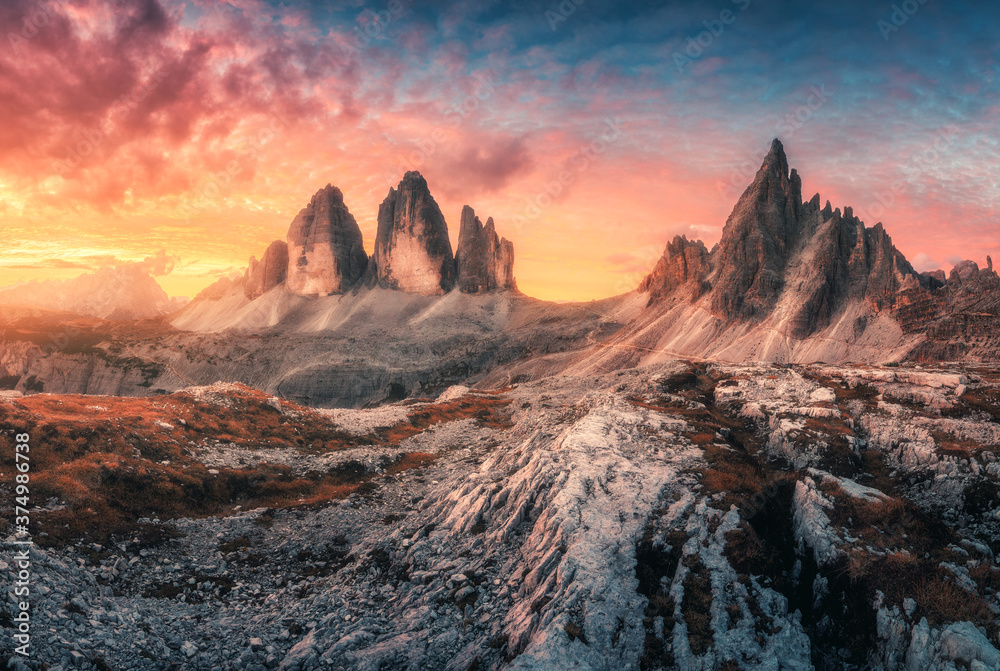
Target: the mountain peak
(326, 254)
(412, 248)
(776, 162)
(758, 239)
(484, 261)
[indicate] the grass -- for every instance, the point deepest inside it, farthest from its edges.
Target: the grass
(696, 606)
(488, 411)
(901, 552)
(653, 565)
(113, 461)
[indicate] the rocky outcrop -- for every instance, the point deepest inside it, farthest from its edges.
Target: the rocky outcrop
(325, 250)
(483, 261)
(758, 239)
(412, 248)
(934, 279)
(684, 264)
(793, 262)
(268, 273)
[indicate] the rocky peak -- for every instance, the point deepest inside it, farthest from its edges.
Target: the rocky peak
(483, 261)
(271, 271)
(412, 248)
(967, 277)
(685, 264)
(758, 239)
(325, 248)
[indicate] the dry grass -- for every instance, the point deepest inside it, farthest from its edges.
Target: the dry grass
(696, 607)
(111, 462)
(938, 595)
(488, 411)
(742, 479)
(890, 524)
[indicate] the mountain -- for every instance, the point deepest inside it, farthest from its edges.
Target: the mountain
(120, 293)
(793, 281)
(271, 271)
(777, 250)
(710, 472)
(484, 261)
(412, 248)
(326, 254)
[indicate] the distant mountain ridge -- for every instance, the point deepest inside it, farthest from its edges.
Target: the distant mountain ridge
(318, 321)
(121, 293)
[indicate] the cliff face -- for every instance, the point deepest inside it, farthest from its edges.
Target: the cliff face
(757, 241)
(268, 273)
(325, 250)
(684, 264)
(412, 248)
(484, 261)
(790, 263)
(324, 253)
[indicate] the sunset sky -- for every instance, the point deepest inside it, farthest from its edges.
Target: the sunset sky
(592, 131)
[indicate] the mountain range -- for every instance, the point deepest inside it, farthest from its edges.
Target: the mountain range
(318, 320)
(117, 293)
(753, 461)
(790, 280)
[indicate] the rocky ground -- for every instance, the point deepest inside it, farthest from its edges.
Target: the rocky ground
(688, 516)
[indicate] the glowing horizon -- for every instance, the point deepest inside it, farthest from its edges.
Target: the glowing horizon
(591, 136)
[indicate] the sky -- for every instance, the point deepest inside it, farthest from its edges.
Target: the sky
(592, 131)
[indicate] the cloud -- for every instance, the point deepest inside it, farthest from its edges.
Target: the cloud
(159, 264)
(58, 264)
(484, 167)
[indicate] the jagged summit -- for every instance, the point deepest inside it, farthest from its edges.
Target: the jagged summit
(794, 270)
(684, 263)
(776, 157)
(271, 271)
(326, 253)
(757, 240)
(412, 249)
(483, 261)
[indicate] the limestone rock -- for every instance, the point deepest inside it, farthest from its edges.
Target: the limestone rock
(684, 264)
(484, 261)
(412, 248)
(757, 240)
(791, 260)
(934, 279)
(325, 249)
(268, 273)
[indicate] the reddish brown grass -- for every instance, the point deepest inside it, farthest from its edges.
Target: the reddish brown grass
(113, 466)
(489, 412)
